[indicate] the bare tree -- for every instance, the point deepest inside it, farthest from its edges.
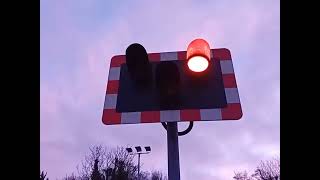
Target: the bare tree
(43, 176)
(98, 153)
(123, 162)
(71, 177)
(144, 175)
(115, 164)
(158, 175)
(242, 176)
(96, 175)
(101, 161)
(268, 170)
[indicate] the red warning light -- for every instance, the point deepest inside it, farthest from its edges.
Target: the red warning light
(198, 55)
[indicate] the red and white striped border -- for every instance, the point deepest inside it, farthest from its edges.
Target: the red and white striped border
(231, 112)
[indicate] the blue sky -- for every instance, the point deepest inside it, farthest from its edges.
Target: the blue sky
(78, 39)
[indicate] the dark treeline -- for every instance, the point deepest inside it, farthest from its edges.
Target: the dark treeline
(266, 170)
(115, 164)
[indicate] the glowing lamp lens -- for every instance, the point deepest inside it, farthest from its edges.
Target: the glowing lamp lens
(198, 55)
(198, 64)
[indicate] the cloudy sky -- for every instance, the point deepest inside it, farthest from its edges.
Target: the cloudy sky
(78, 39)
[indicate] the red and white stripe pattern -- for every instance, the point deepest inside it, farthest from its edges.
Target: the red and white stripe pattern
(231, 112)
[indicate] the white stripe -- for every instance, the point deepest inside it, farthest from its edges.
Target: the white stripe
(110, 101)
(226, 67)
(168, 56)
(210, 114)
(114, 73)
(130, 117)
(170, 116)
(232, 95)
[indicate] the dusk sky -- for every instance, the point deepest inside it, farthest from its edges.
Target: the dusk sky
(78, 39)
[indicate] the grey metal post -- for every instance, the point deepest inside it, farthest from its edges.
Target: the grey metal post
(139, 166)
(173, 151)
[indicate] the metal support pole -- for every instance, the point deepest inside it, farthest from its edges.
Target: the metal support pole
(173, 151)
(139, 166)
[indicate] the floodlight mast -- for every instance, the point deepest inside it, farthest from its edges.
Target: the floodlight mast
(139, 152)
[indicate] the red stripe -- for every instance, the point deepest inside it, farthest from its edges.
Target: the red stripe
(221, 54)
(110, 116)
(232, 112)
(182, 55)
(112, 87)
(150, 116)
(154, 57)
(190, 115)
(229, 81)
(116, 61)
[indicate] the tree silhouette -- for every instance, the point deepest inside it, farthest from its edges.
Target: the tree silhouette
(242, 176)
(99, 160)
(98, 153)
(157, 175)
(95, 172)
(266, 170)
(43, 176)
(115, 164)
(72, 177)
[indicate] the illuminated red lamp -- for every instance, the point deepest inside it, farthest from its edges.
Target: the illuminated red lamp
(198, 55)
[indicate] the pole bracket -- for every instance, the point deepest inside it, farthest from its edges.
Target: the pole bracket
(183, 132)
